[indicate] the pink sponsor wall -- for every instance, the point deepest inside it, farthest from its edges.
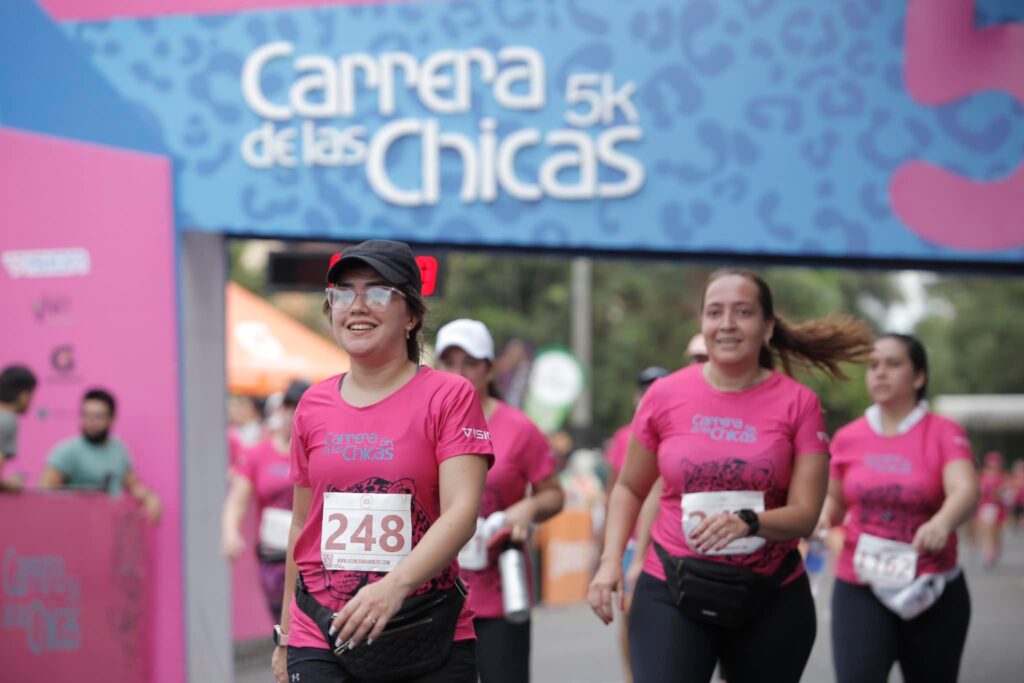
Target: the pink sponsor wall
(75, 605)
(87, 276)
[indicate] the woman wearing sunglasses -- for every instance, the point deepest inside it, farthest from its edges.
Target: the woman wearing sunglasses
(389, 462)
(522, 460)
(743, 458)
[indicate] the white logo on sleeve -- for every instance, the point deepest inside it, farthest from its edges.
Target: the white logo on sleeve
(479, 434)
(823, 437)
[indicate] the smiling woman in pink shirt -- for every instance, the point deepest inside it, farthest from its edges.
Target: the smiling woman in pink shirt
(389, 462)
(522, 489)
(902, 480)
(743, 457)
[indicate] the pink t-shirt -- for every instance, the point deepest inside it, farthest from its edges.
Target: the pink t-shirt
(269, 473)
(394, 446)
(710, 440)
(522, 456)
(893, 484)
(616, 454)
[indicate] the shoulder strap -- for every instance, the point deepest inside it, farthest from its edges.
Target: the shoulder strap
(320, 615)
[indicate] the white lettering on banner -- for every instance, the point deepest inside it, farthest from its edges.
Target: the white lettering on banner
(33, 263)
(580, 164)
(365, 532)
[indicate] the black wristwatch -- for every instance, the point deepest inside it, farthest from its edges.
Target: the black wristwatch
(280, 637)
(750, 517)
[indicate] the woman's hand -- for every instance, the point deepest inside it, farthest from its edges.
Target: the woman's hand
(366, 615)
(232, 545)
(931, 536)
(636, 567)
(607, 582)
(718, 531)
(279, 663)
(519, 518)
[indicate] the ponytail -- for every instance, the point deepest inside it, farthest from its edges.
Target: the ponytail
(818, 344)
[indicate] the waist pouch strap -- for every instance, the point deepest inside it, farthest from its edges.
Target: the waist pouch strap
(720, 593)
(416, 640)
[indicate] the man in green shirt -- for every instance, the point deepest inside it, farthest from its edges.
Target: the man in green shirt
(97, 461)
(17, 384)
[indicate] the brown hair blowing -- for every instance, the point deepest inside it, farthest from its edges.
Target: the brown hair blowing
(817, 344)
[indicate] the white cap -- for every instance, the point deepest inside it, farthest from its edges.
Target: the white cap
(469, 335)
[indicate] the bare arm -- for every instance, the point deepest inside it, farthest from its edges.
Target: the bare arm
(12, 484)
(545, 502)
(51, 478)
(235, 504)
(648, 513)
(635, 481)
(834, 510)
(145, 496)
(960, 484)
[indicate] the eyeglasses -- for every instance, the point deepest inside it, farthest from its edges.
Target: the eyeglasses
(377, 297)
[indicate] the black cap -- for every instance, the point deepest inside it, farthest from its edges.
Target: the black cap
(650, 374)
(294, 392)
(393, 260)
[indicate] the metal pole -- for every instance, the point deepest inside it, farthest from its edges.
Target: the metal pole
(582, 337)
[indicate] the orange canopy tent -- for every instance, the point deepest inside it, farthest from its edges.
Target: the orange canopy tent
(267, 348)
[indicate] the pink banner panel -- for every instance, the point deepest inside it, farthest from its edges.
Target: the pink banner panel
(77, 598)
(87, 271)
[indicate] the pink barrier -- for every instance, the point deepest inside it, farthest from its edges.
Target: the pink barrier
(76, 589)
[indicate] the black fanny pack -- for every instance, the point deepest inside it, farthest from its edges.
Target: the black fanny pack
(415, 641)
(719, 593)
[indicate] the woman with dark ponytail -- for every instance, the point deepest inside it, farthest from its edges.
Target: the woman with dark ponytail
(902, 481)
(743, 455)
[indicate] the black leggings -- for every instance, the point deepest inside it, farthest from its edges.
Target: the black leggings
(502, 650)
(665, 646)
(316, 665)
(867, 638)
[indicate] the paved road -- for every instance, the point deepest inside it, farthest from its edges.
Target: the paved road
(571, 646)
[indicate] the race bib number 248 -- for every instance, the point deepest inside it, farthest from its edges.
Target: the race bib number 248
(365, 532)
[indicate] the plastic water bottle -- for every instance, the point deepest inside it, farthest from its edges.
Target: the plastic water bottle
(814, 561)
(515, 593)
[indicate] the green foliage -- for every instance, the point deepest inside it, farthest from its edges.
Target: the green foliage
(972, 343)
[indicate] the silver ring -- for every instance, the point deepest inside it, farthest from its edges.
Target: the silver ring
(372, 620)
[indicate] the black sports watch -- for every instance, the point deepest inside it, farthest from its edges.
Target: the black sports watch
(752, 520)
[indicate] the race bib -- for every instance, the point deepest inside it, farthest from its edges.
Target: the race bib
(275, 524)
(473, 555)
(883, 563)
(365, 532)
(697, 507)
(989, 512)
